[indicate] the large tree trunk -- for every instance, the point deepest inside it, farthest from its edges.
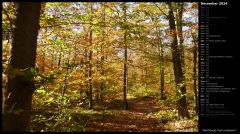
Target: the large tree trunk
(125, 59)
(178, 74)
(20, 87)
(180, 34)
(90, 64)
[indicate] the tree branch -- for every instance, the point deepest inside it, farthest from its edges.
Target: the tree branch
(160, 9)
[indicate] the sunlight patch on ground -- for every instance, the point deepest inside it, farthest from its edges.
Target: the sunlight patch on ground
(130, 96)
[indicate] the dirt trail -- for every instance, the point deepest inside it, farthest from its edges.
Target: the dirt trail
(137, 118)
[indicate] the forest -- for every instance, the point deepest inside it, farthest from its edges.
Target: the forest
(100, 66)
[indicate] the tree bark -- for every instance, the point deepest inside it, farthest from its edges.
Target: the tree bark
(60, 57)
(178, 74)
(98, 69)
(53, 57)
(195, 73)
(102, 52)
(161, 60)
(180, 34)
(90, 63)
(20, 87)
(125, 59)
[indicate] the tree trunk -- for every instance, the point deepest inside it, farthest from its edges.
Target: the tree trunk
(163, 97)
(180, 35)
(102, 52)
(125, 59)
(195, 73)
(84, 65)
(102, 74)
(86, 72)
(161, 60)
(20, 87)
(64, 85)
(97, 84)
(53, 59)
(65, 82)
(60, 57)
(178, 74)
(90, 63)
(75, 54)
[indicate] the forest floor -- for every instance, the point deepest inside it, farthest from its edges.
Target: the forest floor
(145, 114)
(136, 118)
(142, 116)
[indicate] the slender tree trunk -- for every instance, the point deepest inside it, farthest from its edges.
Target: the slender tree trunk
(17, 107)
(178, 74)
(97, 84)
(64, 84)
(75, 54)
(162, 83)
(195, 73)
(60, 57)
(86, 71)
(52, 65)
(84, 66)
(125, 59)
(161, 60)
(102, 74)
(90, 63)
(102, 52)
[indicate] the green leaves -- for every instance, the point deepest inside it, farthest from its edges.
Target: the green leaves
(179, 90)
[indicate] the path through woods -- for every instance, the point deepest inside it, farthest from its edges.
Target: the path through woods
(137, 118)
